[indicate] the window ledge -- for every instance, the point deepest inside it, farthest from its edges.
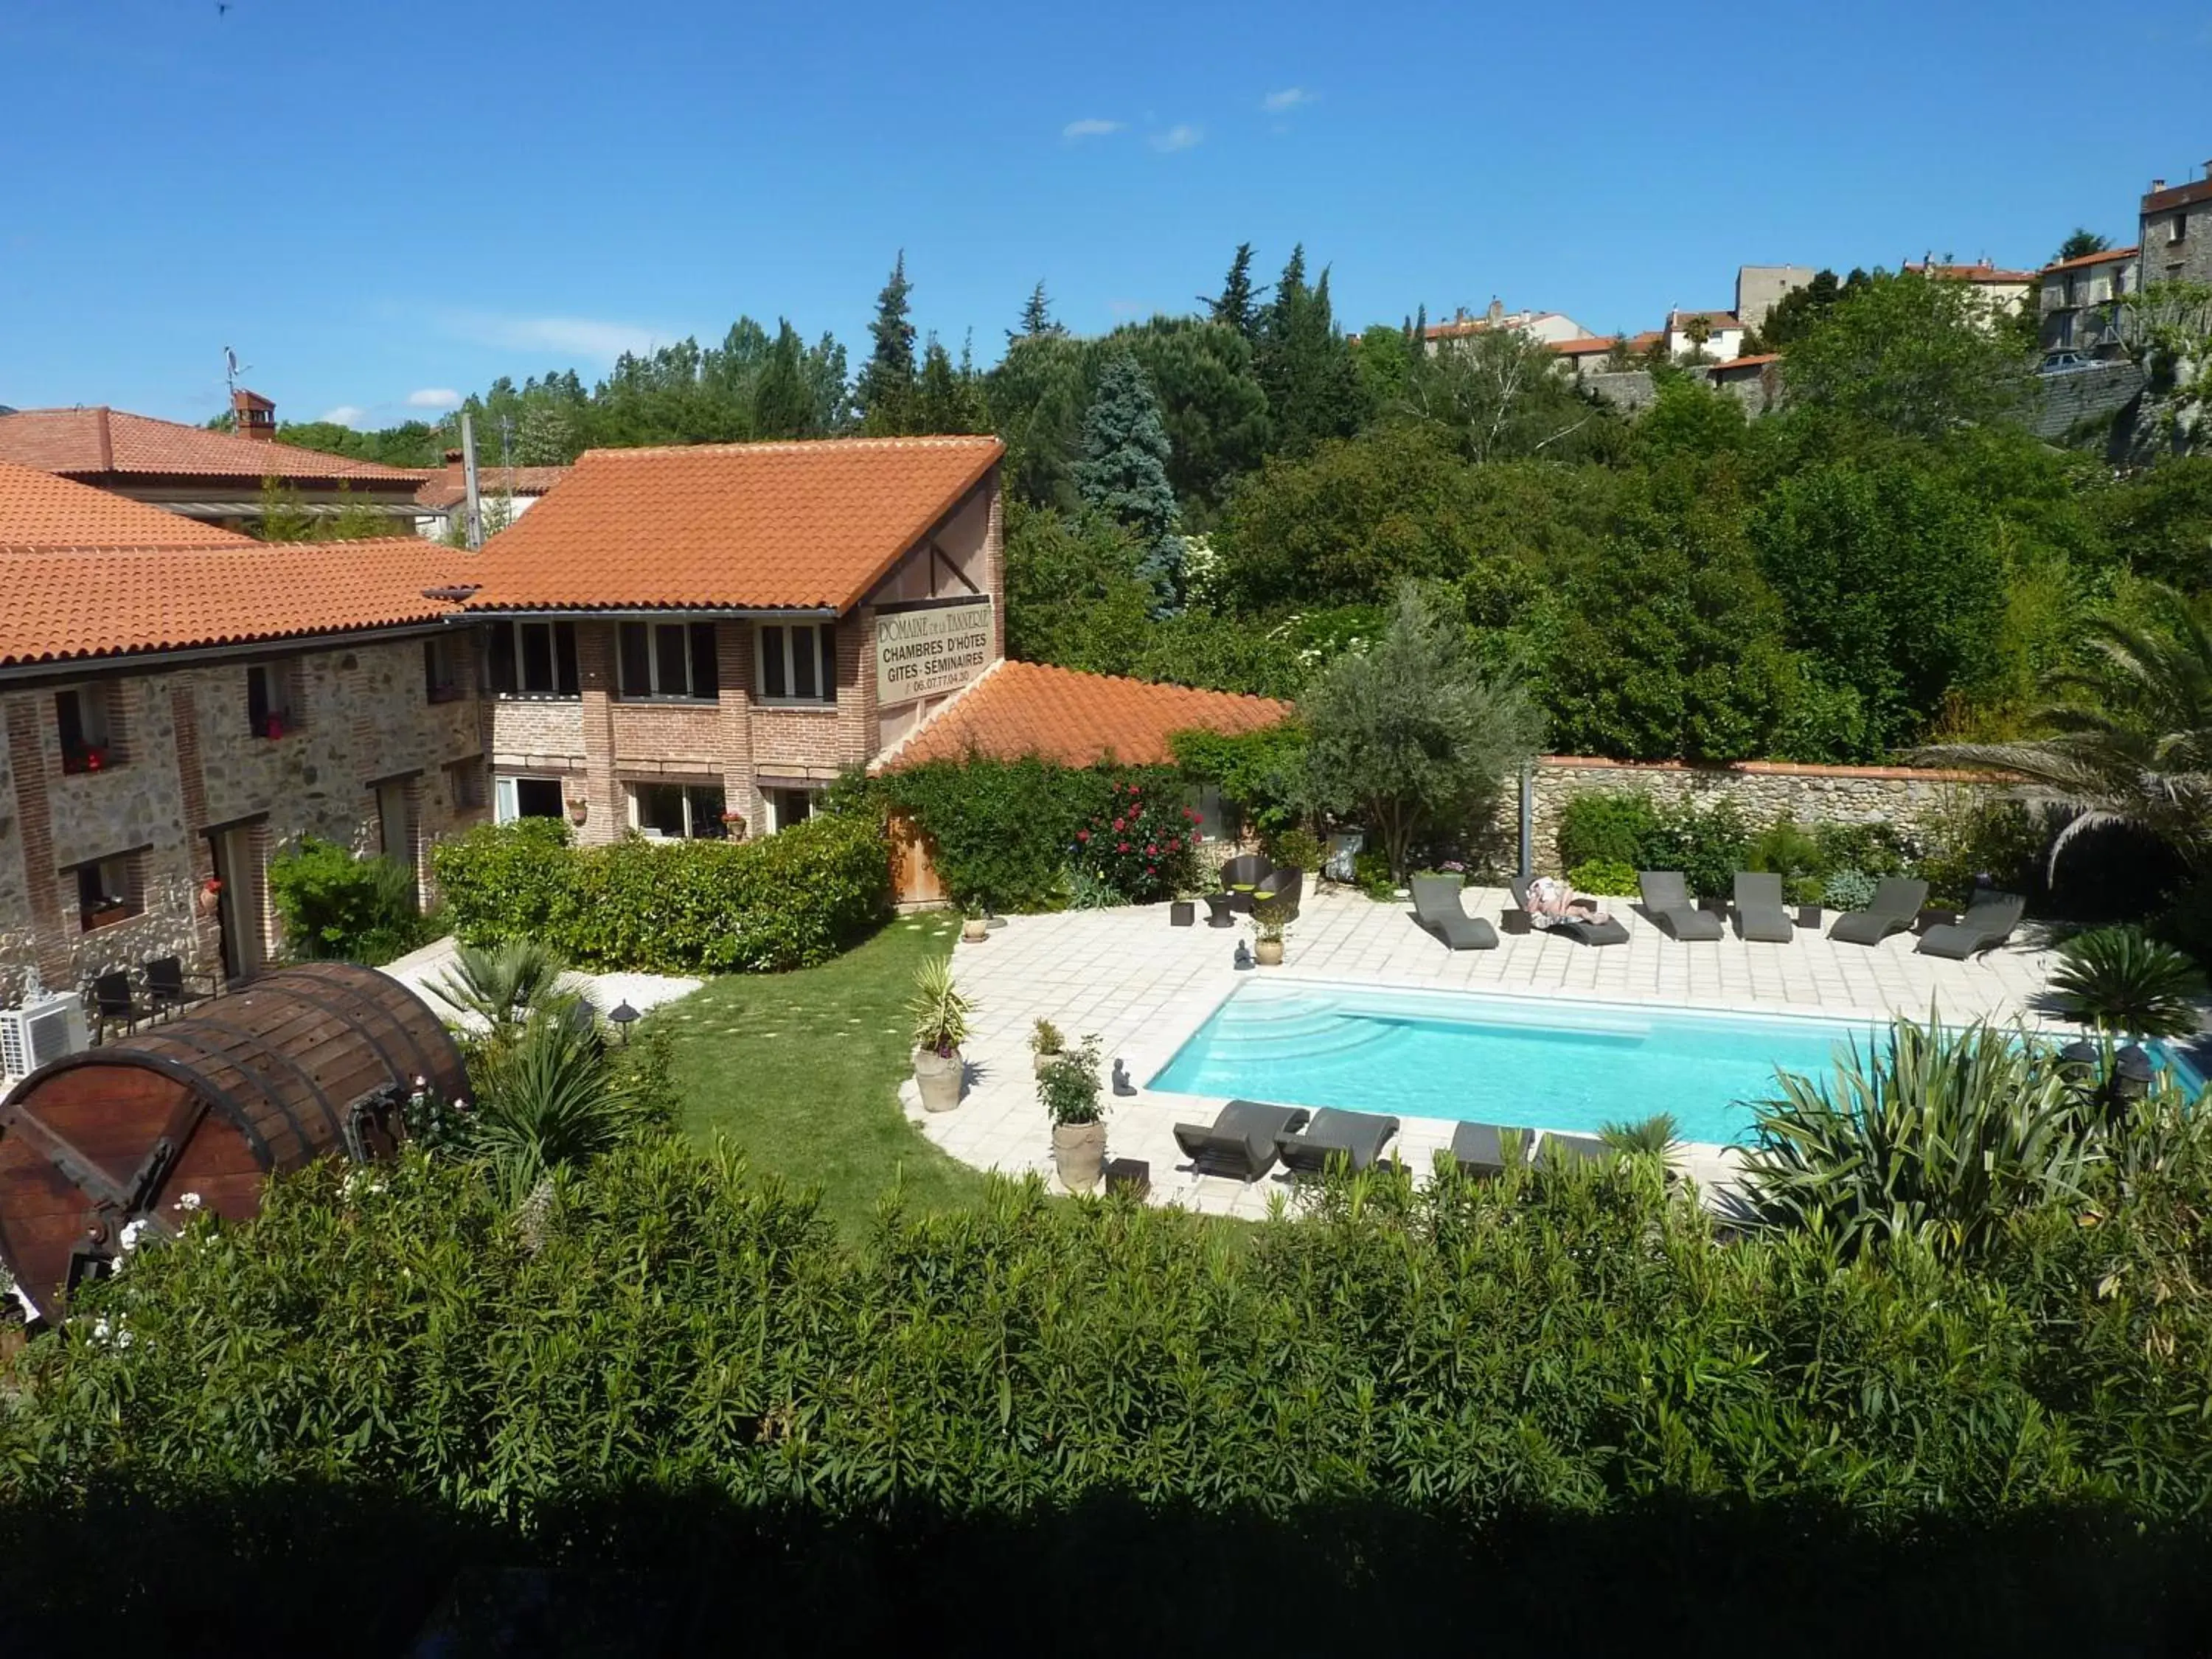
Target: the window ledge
(815, 703)
(108, 918)
(538, 696)
(653, 699)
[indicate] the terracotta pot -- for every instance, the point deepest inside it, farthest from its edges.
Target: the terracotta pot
(1078, 1153)
(939, 1079)
(975, 930)
(1268, 953)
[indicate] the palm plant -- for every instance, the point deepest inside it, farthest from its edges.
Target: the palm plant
(1654, 1136)
(496, 990)
(1940, 1135)
(547, 1100)
(2116, 979)
(2130, 735)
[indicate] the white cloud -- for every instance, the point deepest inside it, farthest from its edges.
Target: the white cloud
(439, 398)
(346, 415)
(1182, 135)
(596, 338)
(1090, 127)
(1290, 98)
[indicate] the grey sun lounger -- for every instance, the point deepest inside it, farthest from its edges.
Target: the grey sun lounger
(1478, 1149)
(1988, 923)
(1436, 904)
(1667, 901)
(1241, 1140)
(1557, 1150)
(1895, 908)
(1761, 913)
(1359, 1136)
(1608, 932)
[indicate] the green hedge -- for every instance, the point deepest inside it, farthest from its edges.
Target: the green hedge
(790, 899)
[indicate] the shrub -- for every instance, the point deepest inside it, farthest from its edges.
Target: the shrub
(1785, 849)
(547, 1099)
(1652, 1136)
(1708, 845)
(1370, 873)
(1972, 836)
(494, 987)
(1257, 773)
(1848, 889)
(1871, 847)
(2118, 980)
(1608, 876)
(1143, 842)
(790, 900)
(1294, 848)
(1067, 1085)
(1613, 826)
(336, 907)
(2185, 923)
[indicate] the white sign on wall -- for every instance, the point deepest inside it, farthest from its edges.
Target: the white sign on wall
(931, 649)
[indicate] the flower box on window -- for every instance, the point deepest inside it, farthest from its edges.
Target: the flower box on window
(91, 758)
(108, 915)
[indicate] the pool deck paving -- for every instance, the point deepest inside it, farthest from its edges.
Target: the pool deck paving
(1145, 986)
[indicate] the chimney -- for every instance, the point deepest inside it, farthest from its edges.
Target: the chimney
(256, 415)
(2208, 169)
(1496, 313)
(453, 458)
(2156, 185)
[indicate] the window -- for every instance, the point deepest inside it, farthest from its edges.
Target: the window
(678, 811)
(787, 806)
(527, 798)
(80, 717)
(441, 668)
(2177, 227)
(108, 891)
(798, 662)
(269, 700)
(534, 659)
(668, 659)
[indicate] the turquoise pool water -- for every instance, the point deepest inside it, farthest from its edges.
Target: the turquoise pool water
(1529, 1062)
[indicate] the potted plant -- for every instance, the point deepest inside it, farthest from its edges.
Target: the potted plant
(940, 1014)
(975, 925)
(1046, 1043)
(210, 897)
(1068, 1091)
(1268, 933)
(734, 825)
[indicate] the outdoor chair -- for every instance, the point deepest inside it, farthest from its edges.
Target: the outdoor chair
(169, 987)
(1557, 1151)
(1611, 931)
(1667, 901)
(1895, 907)
(1437, 907)
(1242, 874)
(111, 1001)
(1760, 911)
(1988, 923)
(1241, 1141)
(1480, 1148)
(1359, 1137)
(1276, 899)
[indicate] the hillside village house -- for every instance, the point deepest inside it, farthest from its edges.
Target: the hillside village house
(678, 642)
(2002, 292)
(2079, 297)
(1724, 334)
(2175, 230)
(215, 477)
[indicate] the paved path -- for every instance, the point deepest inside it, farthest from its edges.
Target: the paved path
(1145, 986)
(418, 970)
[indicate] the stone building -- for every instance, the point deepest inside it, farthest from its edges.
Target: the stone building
(2000, 292)
(694, 641)
(2176, 231)
(1760, 289)
(2077, 301)
(179, 702)
(213, 477)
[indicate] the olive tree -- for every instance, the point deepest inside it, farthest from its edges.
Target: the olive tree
(1410, 733)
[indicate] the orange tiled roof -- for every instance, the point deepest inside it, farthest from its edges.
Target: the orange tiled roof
(39, 511)
(1719, 319)
(1645, 341)
(1752, 361)
(772, 525)
(449, 487)
(2079, 260)
(100, 441)
(2196, 189)
(1018, 708)
(1584, 346)
(1982, 273)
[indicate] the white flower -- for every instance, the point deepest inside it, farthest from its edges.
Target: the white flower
(189, 1201)
(421, 1082)
(132, 1232)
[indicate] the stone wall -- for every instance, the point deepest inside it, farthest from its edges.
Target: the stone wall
(186, 761)
(1902, 797)
(2080, 397)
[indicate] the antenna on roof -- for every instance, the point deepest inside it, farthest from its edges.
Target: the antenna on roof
(232, 368)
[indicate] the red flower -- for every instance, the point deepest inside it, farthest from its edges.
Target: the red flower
(1175, 846)
(1117, 826)
(1123, 847)
(1083, 835)
(1152, 852)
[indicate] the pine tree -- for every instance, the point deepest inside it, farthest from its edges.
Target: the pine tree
(1037, 320)
(1421, 332)
(947, 398)
(887, 378)
(783, 407)
(1238, 304)
(1124, 472)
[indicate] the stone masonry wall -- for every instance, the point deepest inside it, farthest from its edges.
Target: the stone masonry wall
(1905, 798)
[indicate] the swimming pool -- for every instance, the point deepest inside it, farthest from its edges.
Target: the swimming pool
(1530, 1062)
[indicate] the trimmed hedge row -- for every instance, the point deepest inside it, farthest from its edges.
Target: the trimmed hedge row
(790, 900)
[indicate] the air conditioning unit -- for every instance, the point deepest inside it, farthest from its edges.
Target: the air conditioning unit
(42, 1032)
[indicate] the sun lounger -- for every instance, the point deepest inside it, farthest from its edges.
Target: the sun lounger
(1608, 932)
(1436, 905)
(1761, 913)
(1557, 1150)
(1988, 923)
(1241, 1141)
(1667, 901)
(1478, 1149)
(1895, 908)
(1359, 1136)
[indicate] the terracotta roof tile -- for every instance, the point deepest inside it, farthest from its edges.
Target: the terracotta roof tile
(91, 442)
(2106, 257)
(802, 526)
(40, 510)
(1020, 708)
(1756, 359)
(449, 487)
(1719, 319)
(2196, 189)
(1588, 345)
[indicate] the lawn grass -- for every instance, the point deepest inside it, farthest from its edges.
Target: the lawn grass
(802, 1070)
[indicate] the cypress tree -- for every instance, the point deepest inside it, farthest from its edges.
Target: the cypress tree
(887, 378)
(1238, 304)
(1305, 365)
(1124, 472)
(946, 399)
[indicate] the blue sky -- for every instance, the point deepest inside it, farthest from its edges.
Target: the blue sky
(385, 200)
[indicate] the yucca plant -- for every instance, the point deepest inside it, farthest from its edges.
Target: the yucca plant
(2118, 979)
(938, 1008)
(1939, 1135)
(496, 989)
(1655, 1136)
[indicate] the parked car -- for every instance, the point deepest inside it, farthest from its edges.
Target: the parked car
(2060, 362)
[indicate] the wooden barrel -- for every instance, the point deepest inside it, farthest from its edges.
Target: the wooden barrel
(309, 1060)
